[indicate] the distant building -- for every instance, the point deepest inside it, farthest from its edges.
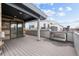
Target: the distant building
(75, 29)
(66, 28)
(44, 24)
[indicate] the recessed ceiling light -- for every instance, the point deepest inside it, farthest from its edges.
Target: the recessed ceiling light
(20, 12)
(14, 16)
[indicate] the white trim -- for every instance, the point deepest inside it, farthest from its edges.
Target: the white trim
(34, 8)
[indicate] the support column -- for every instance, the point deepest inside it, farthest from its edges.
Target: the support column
(23, 24)
(0, 18)
(38, 29)
(23, 29)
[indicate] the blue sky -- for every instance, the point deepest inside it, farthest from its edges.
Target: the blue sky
(66, 14)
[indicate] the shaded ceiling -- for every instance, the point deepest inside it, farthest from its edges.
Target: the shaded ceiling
(10, 11)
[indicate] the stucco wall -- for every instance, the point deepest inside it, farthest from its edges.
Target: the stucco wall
(44, 33)
(31, 32)
(47, 34)
(76, 42)
(61, 36)
(70, 36)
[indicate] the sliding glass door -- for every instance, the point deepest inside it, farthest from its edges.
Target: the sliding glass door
(16, 29)
(12, 29)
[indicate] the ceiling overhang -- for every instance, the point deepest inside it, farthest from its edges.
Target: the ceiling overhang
(20, 11)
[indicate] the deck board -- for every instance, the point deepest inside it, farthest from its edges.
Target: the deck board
(29, 46)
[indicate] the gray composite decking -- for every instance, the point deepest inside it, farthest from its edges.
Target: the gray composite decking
(29, 46)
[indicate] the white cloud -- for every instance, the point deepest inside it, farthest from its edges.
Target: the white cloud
(73, 23)
(51, 4)
(60, 9)
(69, 8)
(37, 5)
(61, 14)
(50, 18)
(49, 12)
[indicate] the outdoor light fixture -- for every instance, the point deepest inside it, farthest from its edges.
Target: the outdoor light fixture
(14, 16)
(20, 12)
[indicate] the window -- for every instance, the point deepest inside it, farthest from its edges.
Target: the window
(51, 23)
(31, 26)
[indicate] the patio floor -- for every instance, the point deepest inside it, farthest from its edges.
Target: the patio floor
(29, 46)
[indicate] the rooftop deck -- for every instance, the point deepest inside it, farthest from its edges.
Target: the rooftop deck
(29, 46)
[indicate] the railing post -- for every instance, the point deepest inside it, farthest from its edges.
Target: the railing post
(38, 29)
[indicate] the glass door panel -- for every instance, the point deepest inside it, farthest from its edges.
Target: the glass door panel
(13, 29)
(20, 29)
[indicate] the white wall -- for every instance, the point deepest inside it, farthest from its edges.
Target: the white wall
(59, 27)
(70, 36)
(45, 33)
(76, 42)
